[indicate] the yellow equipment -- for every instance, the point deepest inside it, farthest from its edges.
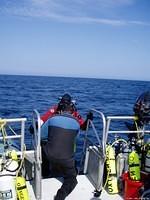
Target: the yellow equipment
(134, 166)
(13, 155)
(22, 192)
(111, 170)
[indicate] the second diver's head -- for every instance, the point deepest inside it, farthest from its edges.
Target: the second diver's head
(66, 104)
(142, 107)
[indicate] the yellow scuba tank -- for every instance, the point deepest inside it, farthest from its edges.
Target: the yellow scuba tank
(13, 155)
(134, 166)
(22, 192)
(11, 164)
(111, 170)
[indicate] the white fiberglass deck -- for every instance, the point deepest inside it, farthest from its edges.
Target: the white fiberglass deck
(83, 191)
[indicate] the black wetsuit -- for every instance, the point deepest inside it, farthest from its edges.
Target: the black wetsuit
(59, 151)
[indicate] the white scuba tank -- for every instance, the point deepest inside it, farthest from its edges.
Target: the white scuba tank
(7, 181)
(8, 169)
(126, 150)
(7, 187)
(120, 164)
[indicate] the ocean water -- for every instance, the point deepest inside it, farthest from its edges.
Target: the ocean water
(19, 95)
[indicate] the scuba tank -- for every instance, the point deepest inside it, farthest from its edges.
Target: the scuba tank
(8, 168)
(121, 150)
(120, 167)
(120, 159)
(7, 187)
(120, 164)
(126, 151)
(22, 192)
(134, 166)
(11, 164)
(111, 170)
(12, 187)
(134, 162)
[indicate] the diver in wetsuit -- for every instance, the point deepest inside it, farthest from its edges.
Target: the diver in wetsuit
(62, 127)
(141, 112)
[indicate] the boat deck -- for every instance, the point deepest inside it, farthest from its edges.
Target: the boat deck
(84, 190)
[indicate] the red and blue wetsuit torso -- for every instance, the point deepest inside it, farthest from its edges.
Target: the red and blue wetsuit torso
(53, 110)
(61, 131)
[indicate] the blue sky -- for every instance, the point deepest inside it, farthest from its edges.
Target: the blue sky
(78, 38)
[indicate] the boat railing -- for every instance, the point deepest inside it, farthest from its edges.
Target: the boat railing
(37, 182)
(95, 153)
(12, 136)
(110, 119)
(5, 125)
(97, 133)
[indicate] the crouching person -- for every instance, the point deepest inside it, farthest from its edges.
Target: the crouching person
(58, 151)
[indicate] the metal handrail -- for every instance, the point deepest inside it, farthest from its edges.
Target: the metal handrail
(101, 116)
(38, 157)
(106, 121)
(90, 122)
(101, 146)
(21, 135)
(37, 148)
(109, 120)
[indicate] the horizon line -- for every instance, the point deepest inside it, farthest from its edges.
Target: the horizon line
(69, 76)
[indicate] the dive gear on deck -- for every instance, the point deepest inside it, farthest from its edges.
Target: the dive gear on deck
(111, 170)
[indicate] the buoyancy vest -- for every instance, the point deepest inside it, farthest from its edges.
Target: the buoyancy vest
(62, 131)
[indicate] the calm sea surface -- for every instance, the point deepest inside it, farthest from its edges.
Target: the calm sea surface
(19, 95)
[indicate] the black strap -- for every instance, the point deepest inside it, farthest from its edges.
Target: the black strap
(134, 165)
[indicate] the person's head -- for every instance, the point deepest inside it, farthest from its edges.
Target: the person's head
(142, 107)
(66, 104)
